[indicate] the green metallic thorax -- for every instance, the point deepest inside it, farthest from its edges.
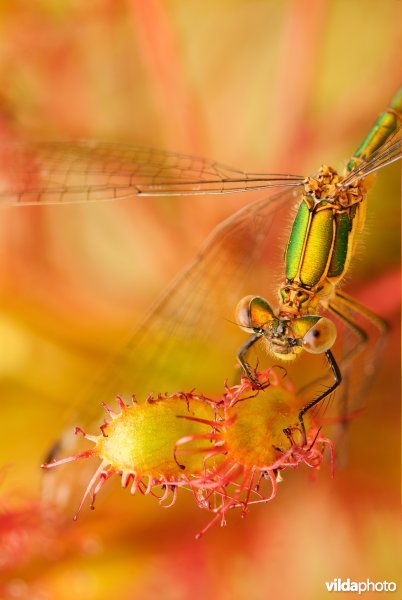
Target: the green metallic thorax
(321, 242)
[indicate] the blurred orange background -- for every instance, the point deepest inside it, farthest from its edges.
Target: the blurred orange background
(262, 85)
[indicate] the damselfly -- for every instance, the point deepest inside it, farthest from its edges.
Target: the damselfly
(178, 334)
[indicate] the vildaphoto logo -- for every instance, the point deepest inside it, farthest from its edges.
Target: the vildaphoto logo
(339, 585)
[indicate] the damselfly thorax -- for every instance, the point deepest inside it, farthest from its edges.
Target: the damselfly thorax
(322, 241)
(317, 256)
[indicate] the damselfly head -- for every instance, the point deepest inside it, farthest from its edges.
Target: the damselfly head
(314, 334)
(281, 340)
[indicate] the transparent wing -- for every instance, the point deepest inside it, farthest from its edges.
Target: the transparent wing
(189, 338)
(66, 172)
(388, 153)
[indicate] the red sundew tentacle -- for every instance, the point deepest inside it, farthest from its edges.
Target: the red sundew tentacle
(121, 404)
(240, 488)
(216, 479)
(210, 480)
(221, 512)
(315, 438)
(311, 455)
(234, 483)
(157, 484)
(189, 438)
(256, 491)
(258, 483)
(226, 465)
(236, 400)
(203, 485)
(166, 492)
(313, 462)
(291, 464)
(173, 490)
(197, 436)
(274, 483)
(187, 396)
(297, 460)
(126, 477)
(88, 490)
(234, 471)
(87, 436)
(232, 394)
(192, 452)
(228, 422)
(141, 487)
(103, 477)
(219, 491)
(274, 478)
(223, 496)
(134, 485)
(150, 485)
(249, 490)
(212, 495)
(313, 459)
(109, 410)
(295, 455)
(215, 452)
(217, 485)
(104, 426)
(197, 493)
(63, 461)
(198, 420)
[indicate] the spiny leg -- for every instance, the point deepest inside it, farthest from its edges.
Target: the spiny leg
(337, 381)
(337, 306)
(340, 305)
(241, 355)
(336, 370)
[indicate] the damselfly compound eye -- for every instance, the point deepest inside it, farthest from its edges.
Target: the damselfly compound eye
(253, 313)
(320, 337)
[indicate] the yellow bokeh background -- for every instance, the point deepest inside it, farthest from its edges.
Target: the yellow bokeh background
(262, 85)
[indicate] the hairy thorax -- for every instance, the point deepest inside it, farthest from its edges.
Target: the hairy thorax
(321, 242)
